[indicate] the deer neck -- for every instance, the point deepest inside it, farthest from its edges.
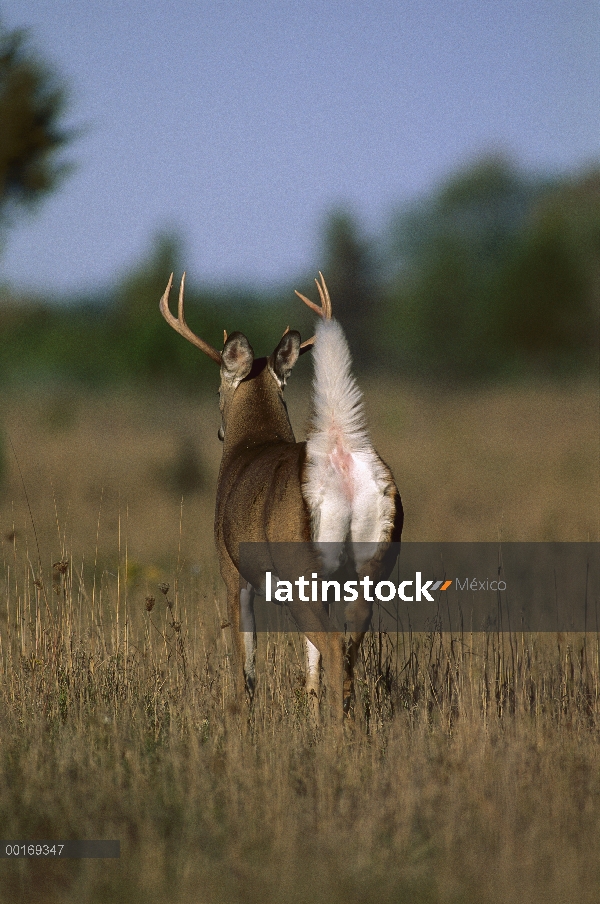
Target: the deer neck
(257, 414)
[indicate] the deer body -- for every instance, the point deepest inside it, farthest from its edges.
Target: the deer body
(332, 489)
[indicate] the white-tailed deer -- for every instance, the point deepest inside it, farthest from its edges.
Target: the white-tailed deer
(333, 488)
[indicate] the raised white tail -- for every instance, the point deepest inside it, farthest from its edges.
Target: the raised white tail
(349, 490)
(337, 401)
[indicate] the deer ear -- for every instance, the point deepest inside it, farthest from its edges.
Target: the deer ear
(285, 355)
(237, 358)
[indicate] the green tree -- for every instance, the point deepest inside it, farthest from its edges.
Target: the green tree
(478, 285)
(551, 311)
(32, 104)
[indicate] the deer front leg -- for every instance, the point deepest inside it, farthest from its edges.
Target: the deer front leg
(239, 607)
(248, 629)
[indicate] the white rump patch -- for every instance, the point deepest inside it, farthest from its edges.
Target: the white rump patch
(346, 481)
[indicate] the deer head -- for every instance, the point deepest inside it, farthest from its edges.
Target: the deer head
(251, 389)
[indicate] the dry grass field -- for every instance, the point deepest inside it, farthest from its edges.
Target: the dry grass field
(472, 770)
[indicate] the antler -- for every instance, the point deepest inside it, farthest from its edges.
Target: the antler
(181, 326)
(324, 311)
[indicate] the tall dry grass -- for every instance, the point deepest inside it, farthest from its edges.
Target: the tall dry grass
(471, 771)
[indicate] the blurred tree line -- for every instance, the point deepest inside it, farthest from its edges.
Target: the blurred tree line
(496, 273)
(493, 274)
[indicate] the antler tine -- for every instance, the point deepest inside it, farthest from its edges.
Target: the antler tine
(314, 307)
(179, 323)
(325, 299)
(324, 311)
(180, 314)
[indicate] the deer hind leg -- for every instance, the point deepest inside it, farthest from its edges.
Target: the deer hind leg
(350, 657)
(329, 646)
(359, 615)
(334, 671)
(375, 512)
(313, 678)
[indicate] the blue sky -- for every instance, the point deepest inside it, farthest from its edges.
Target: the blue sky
(241, 124)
